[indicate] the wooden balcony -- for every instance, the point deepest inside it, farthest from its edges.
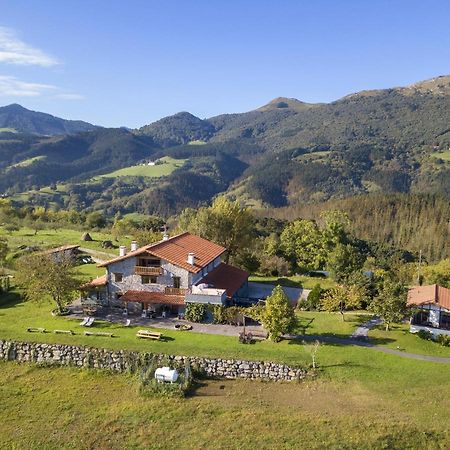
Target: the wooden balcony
(175, 291)
(142, 270)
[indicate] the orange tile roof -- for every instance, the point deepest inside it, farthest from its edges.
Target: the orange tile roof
(152, 297)
(422, 295)
(175, 250)
(226, 277)
(59, 249)
(97, 282)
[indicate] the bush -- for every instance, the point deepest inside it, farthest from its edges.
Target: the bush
(196, 312)
(424, 334)
(444, 340)
(231, 315)
(149, 385)
(312, 302)
(274, 266)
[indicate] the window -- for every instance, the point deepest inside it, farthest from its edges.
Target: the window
(176, 282)
(147, 279)
(118, 277)
(149, 262)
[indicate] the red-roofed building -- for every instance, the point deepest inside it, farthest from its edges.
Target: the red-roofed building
(433, 305)
(170, 273)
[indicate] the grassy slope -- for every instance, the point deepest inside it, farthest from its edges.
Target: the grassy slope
(52, 238)
(296, 281)
(159, 170)
(362, 401)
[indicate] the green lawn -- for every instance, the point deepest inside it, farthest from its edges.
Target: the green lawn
(28, 162)
(53, 238)
(68, 408)
(361, 399)
(159, 170)
(91, 271)
(301, 281)
(399, 337)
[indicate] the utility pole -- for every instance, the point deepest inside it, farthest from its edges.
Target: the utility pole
(419, 267)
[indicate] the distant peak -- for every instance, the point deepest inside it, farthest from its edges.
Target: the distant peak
(15, 107)
(285, 103)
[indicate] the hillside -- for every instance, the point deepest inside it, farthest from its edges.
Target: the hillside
(17, 118)
(284, 153)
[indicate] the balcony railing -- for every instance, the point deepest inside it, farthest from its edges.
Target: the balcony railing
(142, 270)
(175, 291)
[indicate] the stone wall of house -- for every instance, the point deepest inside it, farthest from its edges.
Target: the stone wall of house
(133, 282)
(125, 361)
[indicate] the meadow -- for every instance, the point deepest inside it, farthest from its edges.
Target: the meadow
(158, 170)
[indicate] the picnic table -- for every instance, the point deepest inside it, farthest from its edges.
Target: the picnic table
(146, 334)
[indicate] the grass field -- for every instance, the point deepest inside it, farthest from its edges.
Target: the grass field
(56, 408)
(28, 162)
(361, 398)
(301, 281)
(159, 170)
(53, 238)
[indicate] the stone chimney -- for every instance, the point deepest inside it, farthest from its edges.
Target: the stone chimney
(134, 246)
(122, 250)
(191, 258)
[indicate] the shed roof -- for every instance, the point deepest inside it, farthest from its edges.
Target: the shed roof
(226, 277)
(431, 294)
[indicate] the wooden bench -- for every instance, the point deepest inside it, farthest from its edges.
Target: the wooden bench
(36, 330)
(148, 334)
(98, 333)
(63, 332)
(258, 335)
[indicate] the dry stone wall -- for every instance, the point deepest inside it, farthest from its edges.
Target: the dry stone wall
(126, 361)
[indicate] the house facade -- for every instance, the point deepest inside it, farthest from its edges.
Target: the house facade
(432, 304)
(167, 275)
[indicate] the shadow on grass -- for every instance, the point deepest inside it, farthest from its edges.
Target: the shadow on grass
(339, 340)
(286, 282)
(10, 299)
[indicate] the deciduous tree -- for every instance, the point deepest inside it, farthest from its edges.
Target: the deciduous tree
(277, 316)
(47, 277)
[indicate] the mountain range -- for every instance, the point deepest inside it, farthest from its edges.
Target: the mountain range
(284, 153)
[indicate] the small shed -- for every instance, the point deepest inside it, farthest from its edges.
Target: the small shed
(86, 237)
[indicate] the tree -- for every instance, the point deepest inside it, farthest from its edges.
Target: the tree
(95, 220)
(390, 304)
(277, 316)
(302, 243)
(312, 302)
(225, 223)
(44, 276)
(342, 298)
(438, 273)
(312, 348)
(344, 261)
(3, 252)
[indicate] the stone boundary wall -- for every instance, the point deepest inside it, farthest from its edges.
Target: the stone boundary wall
(127, 361)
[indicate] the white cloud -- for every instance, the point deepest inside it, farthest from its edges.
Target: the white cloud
(15, 51)
(12, 87)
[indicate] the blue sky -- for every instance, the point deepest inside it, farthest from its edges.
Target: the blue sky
(129, 63)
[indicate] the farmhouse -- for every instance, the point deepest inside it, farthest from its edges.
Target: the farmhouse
(167, 275)
(433, 315)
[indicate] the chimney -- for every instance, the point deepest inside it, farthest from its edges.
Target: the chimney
(191, 258)
(122, 250)
(165, 237)
(134, 246)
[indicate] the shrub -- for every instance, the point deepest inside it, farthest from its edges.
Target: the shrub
(444, 340)
(312, 302)
(275, 266)
(196, 312)
(231, 315)
(424, 334)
